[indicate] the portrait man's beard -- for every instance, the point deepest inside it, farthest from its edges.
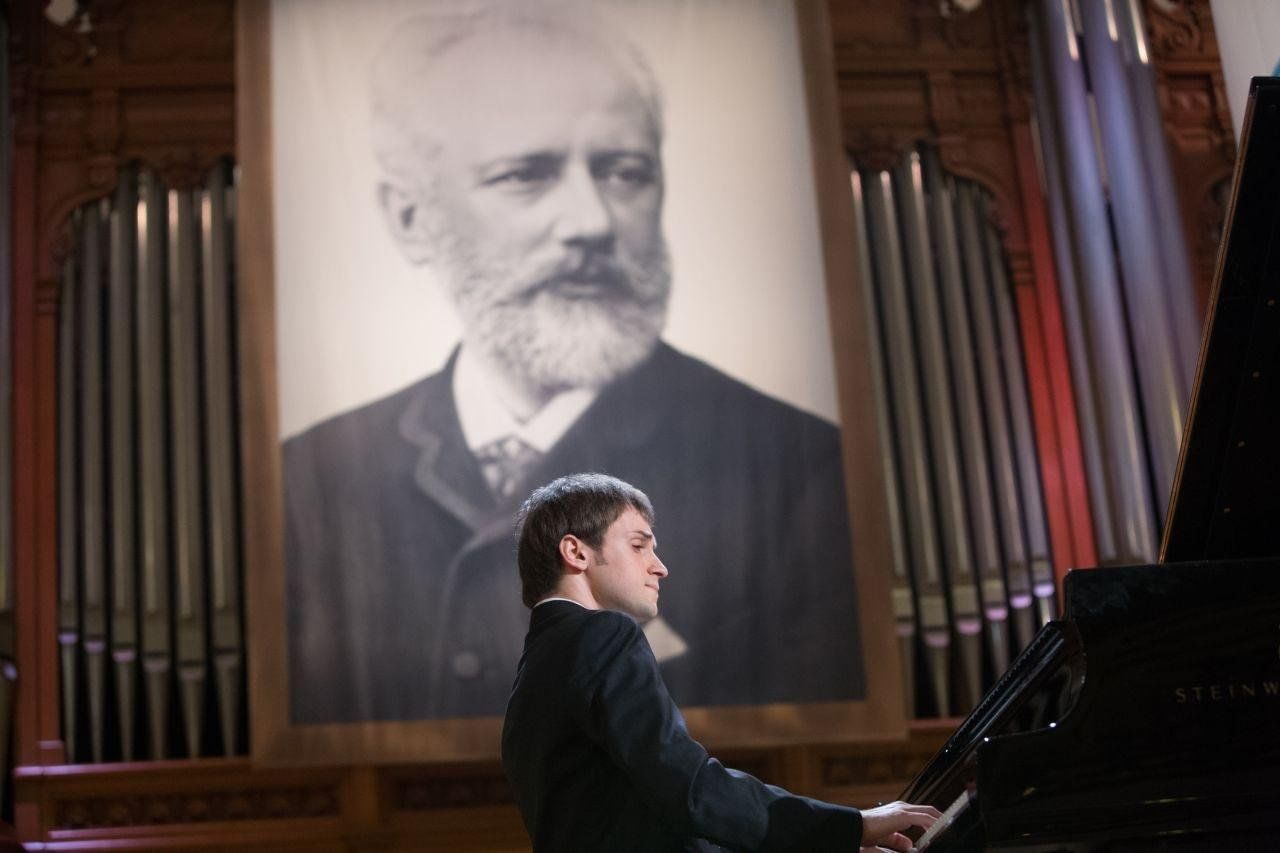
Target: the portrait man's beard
(581, 322)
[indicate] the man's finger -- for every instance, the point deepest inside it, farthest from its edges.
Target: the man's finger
(896, 841)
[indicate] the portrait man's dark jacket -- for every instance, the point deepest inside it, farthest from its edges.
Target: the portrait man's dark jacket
(599, 759)
(403, 595)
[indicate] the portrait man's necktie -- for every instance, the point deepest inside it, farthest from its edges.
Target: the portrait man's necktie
(505, 463)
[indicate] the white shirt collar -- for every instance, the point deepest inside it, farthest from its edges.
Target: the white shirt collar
(558, 598)
(485, 419)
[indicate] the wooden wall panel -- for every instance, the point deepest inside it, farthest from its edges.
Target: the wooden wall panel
(220, 804)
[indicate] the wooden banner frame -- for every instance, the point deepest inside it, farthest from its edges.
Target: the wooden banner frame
(276, 740)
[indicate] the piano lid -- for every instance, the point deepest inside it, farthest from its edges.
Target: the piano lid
(1225, 501)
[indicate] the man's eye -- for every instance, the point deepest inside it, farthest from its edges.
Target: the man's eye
(631, 173)
(632, 176)
(521, 177)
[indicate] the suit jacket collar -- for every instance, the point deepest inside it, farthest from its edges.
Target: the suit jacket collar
(545, 615)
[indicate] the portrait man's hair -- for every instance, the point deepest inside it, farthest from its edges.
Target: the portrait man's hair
(404, 134)
(440, 74)
(582, 505)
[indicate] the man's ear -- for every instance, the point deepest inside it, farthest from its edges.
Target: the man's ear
(574, 554)
(403, 213)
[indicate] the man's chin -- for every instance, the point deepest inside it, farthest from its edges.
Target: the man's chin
(641, 611)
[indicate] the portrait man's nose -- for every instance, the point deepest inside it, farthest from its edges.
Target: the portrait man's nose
(585, 217)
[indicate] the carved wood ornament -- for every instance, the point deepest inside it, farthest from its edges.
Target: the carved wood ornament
(1197, 123)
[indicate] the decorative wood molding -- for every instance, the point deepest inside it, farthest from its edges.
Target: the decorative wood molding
(878, 149)
(1181, 29)
(124, 81)
(908, 72)
(868, 767)
(1197, 122)
(249, 804)
(848, 771)
(427, 789)
(416, 789)
(232, 804)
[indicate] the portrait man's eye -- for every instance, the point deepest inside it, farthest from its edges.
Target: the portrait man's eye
(626, 172)
(523, 176)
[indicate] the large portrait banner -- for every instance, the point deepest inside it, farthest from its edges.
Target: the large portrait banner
(485, 244)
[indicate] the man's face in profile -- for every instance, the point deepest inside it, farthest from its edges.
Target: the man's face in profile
(625, 572)
(544, 208)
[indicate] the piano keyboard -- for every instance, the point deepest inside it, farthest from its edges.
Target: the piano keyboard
(948, 817)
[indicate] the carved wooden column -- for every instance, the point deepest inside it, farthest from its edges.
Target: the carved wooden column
(1197, 123)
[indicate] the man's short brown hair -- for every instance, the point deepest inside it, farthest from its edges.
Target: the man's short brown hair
(580, 504)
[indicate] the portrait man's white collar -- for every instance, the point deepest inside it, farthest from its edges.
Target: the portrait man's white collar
(485, 419)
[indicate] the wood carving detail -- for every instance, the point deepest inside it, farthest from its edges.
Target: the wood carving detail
(183, 168)
(879, 148)
(983, 160)
(964, 29)
(1180, 28)
(873, 24)
(163, 31)
(22, 85)
(429, 793)
(195, 807)
(104, 132)
(68, 45)
(83, 87)
(1197, 120)
(848, 771)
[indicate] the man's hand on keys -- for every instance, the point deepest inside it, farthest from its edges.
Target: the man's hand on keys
(883, 826)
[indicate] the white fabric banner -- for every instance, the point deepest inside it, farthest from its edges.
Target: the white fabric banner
(1249, 44)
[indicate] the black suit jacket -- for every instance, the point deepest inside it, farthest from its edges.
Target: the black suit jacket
(403, 595)
(599, 758)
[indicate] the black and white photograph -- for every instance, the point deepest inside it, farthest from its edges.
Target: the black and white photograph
(516, 241)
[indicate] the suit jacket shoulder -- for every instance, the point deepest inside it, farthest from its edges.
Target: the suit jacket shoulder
(346, 442)
(639, 781)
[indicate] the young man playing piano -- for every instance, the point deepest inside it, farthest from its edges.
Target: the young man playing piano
(595, 750)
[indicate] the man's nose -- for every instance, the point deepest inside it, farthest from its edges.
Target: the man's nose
(584, 218)
(658, 568)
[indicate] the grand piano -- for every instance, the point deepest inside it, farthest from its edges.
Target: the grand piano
(1148, 716)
